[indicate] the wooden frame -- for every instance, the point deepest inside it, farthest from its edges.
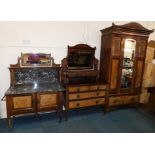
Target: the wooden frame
(80, 57)
(80, 74)
(35, 59)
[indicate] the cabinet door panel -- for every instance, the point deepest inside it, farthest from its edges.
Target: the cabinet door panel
(114, 74)
(47, 100)
(139, 74)
(116, 46)
(22, 102)
(141, 48)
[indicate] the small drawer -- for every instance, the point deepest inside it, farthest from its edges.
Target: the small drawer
(86, 103)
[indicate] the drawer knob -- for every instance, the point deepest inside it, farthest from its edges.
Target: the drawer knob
(98, 87)
(77, 104)
(78, 89)
(97, 93)
(116, 101)
(78, 96)
(97, 102)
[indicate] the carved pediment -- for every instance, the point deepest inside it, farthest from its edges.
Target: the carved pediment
(130, 28)
(133, 25)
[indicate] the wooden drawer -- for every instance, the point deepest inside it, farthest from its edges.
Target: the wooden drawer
(120, 100)
(86, 95)
(131, 99)
(47, 100)
(98, 87)
(86, 88)
(22, 102)
(116, 101)
(85, 103)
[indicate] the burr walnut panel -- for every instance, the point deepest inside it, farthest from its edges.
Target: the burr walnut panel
(48, 99)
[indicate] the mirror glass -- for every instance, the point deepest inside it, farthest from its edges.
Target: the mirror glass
(128, 63)
(35, 59)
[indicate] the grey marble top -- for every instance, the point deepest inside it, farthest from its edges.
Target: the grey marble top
(34, 88)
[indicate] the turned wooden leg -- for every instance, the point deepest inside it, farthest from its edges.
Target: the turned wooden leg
(9, 123)
(106, 110)
(65, 113)
(60, 106)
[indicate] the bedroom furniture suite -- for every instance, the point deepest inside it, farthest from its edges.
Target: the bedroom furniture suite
(123, 50)
(39, 85)
(33, 89)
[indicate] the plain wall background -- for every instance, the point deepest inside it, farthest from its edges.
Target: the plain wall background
(47, 37)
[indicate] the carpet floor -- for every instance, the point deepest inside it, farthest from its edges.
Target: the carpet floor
(85, 121)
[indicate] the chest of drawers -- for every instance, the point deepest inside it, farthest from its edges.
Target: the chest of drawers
(85, 95)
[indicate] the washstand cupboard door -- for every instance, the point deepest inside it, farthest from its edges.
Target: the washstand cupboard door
(46, 101)
(19, 104)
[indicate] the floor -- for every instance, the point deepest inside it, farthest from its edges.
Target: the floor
(85, 121)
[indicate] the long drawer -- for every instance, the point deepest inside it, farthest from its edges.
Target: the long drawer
(120, 100)
(86, 88)
(85, 103)
(86, 95)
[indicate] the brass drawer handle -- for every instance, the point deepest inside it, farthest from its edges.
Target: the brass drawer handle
(97, 102)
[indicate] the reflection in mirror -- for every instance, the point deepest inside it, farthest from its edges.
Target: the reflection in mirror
(128, 63)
